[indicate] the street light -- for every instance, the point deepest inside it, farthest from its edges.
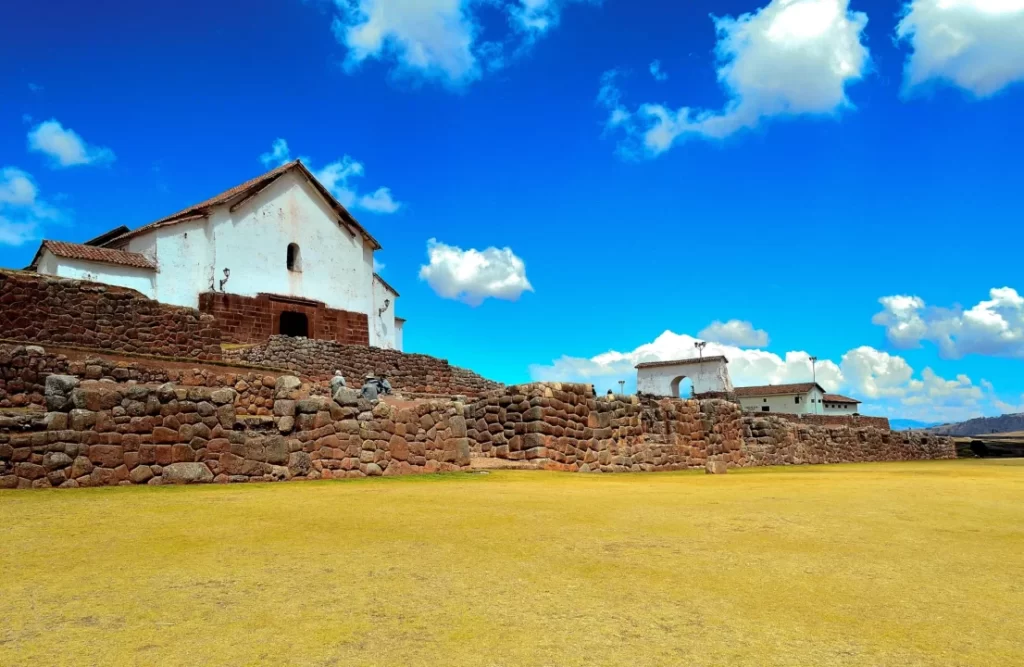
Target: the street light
(622, 387)
(814, 374)
(700, 345)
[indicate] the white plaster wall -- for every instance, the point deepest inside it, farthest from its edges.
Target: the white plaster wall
(382, 326)
(841, 409)
(809, 403)
(131, 277)
(706, 376)
(337, 268)
(184, 253)
(399, 343)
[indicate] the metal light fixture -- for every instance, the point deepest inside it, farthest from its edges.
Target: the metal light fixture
(380, 311)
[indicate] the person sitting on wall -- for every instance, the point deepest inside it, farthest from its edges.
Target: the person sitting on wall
(337, 382)
(383, 386)
(369, 390)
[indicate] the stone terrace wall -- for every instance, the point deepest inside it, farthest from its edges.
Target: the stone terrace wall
(59, 311)
(24, 369)
(101, 433)
(416, 373)
(564, 427)
(778, 441)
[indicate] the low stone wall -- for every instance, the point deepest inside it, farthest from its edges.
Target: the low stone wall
(59, 311)
(777, 441)
(101, 433)
(565, 427)
(415, 373)
(831, 420)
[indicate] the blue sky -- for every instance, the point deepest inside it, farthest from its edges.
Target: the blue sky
(833, 154)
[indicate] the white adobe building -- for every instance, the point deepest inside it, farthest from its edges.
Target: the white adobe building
(800, 398)
(711, 375)
(279, 243)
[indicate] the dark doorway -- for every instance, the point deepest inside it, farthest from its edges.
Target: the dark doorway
(294, 324)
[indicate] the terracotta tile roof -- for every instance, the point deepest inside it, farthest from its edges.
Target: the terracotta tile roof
(673, 362)
(239, 192)
(778, 389)
(94, 254)
(385, 284)
(839, 398)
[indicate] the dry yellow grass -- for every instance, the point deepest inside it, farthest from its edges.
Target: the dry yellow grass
(880, 564)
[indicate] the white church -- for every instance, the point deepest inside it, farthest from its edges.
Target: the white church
(276, 254)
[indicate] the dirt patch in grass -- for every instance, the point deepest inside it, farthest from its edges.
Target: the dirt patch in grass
(868, 565)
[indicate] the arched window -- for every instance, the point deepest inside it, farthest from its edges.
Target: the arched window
(294, 257)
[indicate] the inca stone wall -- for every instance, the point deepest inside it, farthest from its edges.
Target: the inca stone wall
(103, 433)
(410, 373)
(565, 427)
(59, 311)
(24, 368)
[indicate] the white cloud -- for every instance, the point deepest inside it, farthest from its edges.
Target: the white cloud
(379, 202)
(657, 72)
(22, 212)
(335, 177)
(277, 155)
(885, 382)
(977, 45)
(474, 275)
(994, 327)
(65, 147)
(439, 39)
(735, 332)
(746, 366)
(788, 58)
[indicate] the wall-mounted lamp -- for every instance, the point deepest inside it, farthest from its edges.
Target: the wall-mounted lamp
(380, 311)
(227, 274)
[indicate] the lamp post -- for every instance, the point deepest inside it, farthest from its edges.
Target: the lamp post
(622, 387)
(814, 378)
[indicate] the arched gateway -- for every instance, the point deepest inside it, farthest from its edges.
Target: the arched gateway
(662, 378)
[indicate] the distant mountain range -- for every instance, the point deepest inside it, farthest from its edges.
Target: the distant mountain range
(907, 424)
(979, 426)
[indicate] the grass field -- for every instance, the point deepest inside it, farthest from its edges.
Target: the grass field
(877, 564)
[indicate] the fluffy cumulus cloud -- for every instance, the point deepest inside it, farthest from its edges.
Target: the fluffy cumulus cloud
(735, 332)
(887, 384)
(993, 327)
(788, 58)
(474, 275)
(336, 178)
(746, 366)
(22, 212)
(977, 45)
(65, 147)
(442, 40)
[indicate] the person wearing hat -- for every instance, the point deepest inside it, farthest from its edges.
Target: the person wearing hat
(369, 390)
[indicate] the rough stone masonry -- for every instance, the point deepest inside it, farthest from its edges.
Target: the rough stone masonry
(103, 433)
